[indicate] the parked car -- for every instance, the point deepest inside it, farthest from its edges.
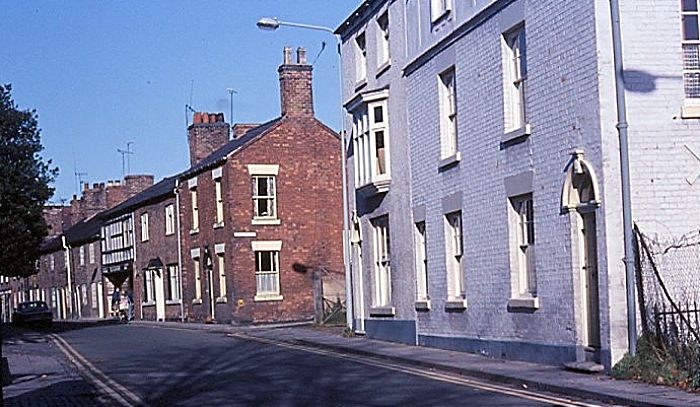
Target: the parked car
(32, 312)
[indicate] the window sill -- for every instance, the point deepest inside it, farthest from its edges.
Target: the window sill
(194, 231)
(374, 188)
(449, 161)
(245, 234)
(528, 303)
(690, 112)
(423, 305)
(197, 301)
(382, 311)
(149, 304)
(221, 300)
(516, 135)
(456, 305)
(360, 84)
(172, 302)
(383, 68)
(259, 298)
(218, 225)
(265, 222)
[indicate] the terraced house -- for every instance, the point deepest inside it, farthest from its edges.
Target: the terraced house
(261, 217)
(514, 172)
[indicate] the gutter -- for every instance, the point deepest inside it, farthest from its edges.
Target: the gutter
(66, 249)
(179, 247)
(625, 177)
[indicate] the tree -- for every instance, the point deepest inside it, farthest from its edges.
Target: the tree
(24, 188)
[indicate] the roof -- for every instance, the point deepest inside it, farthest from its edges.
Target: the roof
(157, 192)
(356, 16)
(87, 230)
(233, 145)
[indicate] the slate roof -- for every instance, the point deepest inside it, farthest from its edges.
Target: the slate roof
(87, 230)
(154, 193)
(219, 155)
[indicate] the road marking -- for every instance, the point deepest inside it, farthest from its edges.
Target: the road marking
(444, 377)
(104, 383)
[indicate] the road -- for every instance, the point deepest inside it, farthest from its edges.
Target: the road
(145, 365)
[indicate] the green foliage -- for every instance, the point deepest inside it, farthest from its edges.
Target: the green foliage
(657, 363)
(24, 188)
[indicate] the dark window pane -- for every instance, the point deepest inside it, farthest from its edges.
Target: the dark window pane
(378, 114)
(690, 28)
(689, 5)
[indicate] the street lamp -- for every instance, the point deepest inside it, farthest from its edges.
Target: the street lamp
(272, 24)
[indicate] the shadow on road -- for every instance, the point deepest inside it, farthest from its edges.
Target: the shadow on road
(67, 393)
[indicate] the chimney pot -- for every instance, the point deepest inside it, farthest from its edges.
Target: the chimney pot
(197, 118)
(205, 118)
(117, 183)
(102, 185)
(95, 185)
(109, 183)
(301, 56)
(287, 55)
(86, 186)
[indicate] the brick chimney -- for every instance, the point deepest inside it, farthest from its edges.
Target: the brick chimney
(295, 85)
(207, 133)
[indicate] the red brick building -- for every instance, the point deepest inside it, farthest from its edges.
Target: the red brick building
(262, 213)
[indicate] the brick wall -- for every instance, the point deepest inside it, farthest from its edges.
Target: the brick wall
(207, 133)
(309, 208)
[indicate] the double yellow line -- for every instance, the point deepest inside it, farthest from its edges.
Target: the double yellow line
(104, 384)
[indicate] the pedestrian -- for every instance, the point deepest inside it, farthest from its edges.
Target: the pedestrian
(116, 298)
(129, 305)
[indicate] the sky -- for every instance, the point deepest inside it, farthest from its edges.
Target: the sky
(105, 76)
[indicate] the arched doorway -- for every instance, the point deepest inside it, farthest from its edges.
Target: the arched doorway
(580, 199)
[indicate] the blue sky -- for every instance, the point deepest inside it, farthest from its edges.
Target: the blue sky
(104, 73)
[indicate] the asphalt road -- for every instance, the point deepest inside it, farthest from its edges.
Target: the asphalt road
(175, 367)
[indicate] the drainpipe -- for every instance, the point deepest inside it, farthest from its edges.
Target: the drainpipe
(66, 249)
(179, 248)
(625, 177)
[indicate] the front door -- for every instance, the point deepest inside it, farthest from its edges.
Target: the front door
(160, 294)
(589, 278)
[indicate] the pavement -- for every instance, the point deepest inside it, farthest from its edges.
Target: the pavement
(40, 375)
(600, 386)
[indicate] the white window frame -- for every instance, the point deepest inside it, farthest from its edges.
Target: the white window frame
(268, 173)
(149, 294)
(439, 8)
(81, 252)
(449, 146)
(267, 282)
(169, 219)
(144, 227)
(454, 250)
(690, 43)
(219, 203)
(361, 58)
(381, 292)
(173, 282)
(221, 268)
(195, 210)
(422, 296)
(93, 295)
(197, 271)
(383, 50)
(91, 253)
(372, 153)
(515, 79)
(523, 270)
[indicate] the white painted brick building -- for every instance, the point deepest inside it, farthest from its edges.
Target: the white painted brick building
(510, 118)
